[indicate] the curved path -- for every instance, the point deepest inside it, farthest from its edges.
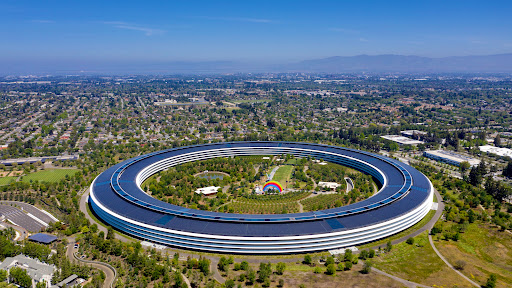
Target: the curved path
(110, 272)
(407, 283)
(22, 233)
(450, 265)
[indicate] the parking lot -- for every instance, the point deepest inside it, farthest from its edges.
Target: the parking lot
(20, 218)
(30, 209)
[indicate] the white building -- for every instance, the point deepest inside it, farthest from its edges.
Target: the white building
(496, 150)
(210, 190)
(329, 185)
(37, 270)
(402, 140)
(450, 157)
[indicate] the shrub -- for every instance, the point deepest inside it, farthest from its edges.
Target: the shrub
(331, 269)
(460, 264)
(367, 267)
(318, 270)
(410, 241)
(340, 266)
(348, 265)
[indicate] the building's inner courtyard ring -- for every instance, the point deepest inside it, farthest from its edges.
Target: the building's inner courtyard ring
(405, 198)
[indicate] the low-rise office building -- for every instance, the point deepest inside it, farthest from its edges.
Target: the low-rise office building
(37, 270)
(450, 157)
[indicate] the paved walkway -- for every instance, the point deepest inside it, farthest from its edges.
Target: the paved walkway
(450, 265)
(403, 281)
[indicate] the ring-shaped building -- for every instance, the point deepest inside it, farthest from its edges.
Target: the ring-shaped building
(404, 198)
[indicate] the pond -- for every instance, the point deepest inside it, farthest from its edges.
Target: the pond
(211, 175)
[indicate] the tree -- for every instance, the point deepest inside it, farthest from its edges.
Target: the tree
(331, 269)
(475, 178)
(251, 276)
(280, 268)
(223, 264)
(244, 265)
(348, 265)
(460, 264)
(348, 255)
(491, 281)
(371, 253)
(229, 283)
(367, 267)
(3, 275)
(19, 276)
(329, 261)
(204, 266)
(110, 233)
(497, 141)
(307, 260)
(507, 172)
(363, 254)
(389, 246)
(265, 271)
(410, 241)
(464, 166)
(340, 266)
(178, 279)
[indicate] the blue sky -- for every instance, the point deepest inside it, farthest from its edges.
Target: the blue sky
(249, 30)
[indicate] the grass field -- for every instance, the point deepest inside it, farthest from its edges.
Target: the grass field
(283, 174)
(485, 250)
(419, 263)
(50, 175)
(7, 180)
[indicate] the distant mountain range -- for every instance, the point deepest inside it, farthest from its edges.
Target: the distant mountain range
(409, 64)
(501, 63)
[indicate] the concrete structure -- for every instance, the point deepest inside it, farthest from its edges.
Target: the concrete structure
(411, 133)
(450, 157)
(405, 198)
(37, 270)
(210, 190)
(504, 152)
(329, 185)
(402, 140)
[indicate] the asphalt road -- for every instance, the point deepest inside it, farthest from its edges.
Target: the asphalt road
(109, 271)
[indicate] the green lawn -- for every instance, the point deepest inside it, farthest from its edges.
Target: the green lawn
(485, 250)
(419, 263)
(50, 175)
(283, 174)
(7, 180)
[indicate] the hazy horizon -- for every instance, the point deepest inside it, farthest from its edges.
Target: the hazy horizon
(74, 35)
